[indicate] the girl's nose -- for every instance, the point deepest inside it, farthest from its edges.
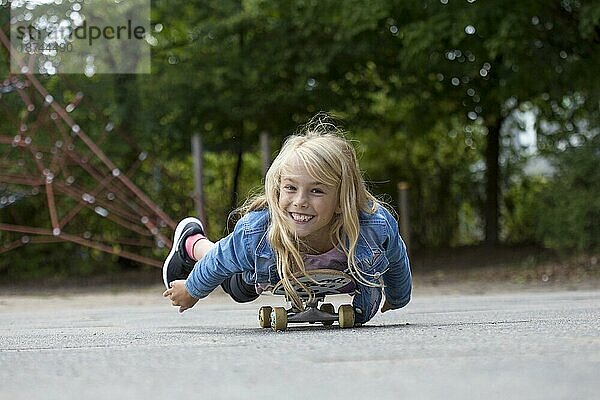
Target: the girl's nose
(300, 201)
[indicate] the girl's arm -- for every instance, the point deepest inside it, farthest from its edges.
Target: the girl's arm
(228, 257)
(398, 279)
(180, 296)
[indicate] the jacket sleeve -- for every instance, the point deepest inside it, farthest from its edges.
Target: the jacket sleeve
(398, 279)
(228, 257)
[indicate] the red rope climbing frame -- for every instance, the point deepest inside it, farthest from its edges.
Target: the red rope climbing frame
(50, 153)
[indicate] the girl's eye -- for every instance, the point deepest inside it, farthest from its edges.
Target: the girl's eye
(289, 187)
(317, 191)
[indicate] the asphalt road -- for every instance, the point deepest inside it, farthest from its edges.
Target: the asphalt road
(515, 345)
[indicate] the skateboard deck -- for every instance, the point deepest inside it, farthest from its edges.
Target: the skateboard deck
(319, 283)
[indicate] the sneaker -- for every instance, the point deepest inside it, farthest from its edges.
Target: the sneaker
(178, 264)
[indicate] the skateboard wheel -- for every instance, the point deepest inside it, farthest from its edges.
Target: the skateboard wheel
(346, 316)
(329, 309)
(279, 319)
(264, 316)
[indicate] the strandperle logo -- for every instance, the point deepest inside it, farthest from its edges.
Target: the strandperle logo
(90, 33)
(81, 36)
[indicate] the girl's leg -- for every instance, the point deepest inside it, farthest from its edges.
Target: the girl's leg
(197, 246)
(238, 289)
(179, 262)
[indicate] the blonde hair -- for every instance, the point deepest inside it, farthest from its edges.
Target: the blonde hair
(329, 157)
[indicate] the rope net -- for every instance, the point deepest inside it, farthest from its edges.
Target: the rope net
(47, 156)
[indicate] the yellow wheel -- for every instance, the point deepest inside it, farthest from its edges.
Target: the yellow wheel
(279, 319)
(328, 308)
(346, 316)
(264, 316)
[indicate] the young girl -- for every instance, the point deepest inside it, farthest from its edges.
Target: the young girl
(315, 213)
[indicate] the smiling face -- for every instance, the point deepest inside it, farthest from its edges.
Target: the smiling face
(308, 205)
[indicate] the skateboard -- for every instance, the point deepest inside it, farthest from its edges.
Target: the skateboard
(322, 282)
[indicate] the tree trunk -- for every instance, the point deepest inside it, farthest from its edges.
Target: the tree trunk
(445, 227)
(236, 176)
(128, 100)
(198, 155)
(492, 184)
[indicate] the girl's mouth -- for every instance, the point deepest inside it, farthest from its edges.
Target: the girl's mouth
(301, 217)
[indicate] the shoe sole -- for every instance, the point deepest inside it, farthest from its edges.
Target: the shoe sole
(176, 236)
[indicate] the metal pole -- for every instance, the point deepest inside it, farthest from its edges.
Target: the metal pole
(265, 152)
(404, 213)
(198, 155)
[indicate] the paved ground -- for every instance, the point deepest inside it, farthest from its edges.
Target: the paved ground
(516, 345)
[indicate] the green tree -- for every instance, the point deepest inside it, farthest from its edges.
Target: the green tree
(480, 61)
(568, 210)
(230, 70)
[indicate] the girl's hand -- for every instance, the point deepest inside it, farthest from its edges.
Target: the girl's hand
(179, 296)
(386, 307)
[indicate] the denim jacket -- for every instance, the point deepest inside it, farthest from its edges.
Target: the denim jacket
(380, 255)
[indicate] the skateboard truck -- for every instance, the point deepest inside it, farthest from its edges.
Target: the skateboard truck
(323, 282)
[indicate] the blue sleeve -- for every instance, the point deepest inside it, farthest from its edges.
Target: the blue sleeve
(398, 279)
(228, 257)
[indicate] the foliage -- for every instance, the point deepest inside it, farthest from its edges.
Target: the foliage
(476, 62)
(426, 87)
(438, 166)
(175, 187)
(522, 203)
(567, 211)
